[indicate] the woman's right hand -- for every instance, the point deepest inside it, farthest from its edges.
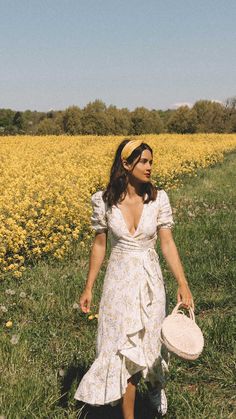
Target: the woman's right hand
(85, 300)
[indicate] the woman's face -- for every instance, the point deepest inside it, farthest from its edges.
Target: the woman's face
(142, 170)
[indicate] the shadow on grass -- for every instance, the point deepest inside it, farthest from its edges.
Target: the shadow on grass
(74, 373)
(142, 410)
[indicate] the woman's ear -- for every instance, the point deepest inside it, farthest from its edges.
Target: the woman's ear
(126, 165)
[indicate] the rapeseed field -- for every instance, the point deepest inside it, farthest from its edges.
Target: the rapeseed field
(47, 182)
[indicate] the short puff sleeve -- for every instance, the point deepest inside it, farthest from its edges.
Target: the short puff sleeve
(165, 217)
(98, 218)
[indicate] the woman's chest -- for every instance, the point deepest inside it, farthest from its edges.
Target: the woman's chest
(147, 224)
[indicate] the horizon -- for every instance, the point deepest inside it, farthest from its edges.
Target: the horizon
(174, 106)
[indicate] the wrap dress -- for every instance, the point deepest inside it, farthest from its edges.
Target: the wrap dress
(132, 306)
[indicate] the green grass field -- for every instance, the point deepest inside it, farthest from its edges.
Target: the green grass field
(51, 343)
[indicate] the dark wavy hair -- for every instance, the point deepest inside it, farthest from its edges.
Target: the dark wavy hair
(119, 179)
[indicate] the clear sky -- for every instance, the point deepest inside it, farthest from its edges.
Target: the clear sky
(129, 53)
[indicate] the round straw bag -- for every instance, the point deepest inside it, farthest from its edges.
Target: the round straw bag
(181, 335)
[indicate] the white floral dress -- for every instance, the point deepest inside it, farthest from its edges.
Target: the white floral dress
(132, 306)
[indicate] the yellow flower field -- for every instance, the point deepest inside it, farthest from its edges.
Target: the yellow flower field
(46, 184)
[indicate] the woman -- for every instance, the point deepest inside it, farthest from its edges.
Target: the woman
(133, 304)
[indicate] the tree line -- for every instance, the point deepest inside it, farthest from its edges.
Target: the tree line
(98, 119)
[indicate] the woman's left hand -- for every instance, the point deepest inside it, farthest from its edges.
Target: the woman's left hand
(184, 295)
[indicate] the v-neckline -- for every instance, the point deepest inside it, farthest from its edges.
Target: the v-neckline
(125, 224)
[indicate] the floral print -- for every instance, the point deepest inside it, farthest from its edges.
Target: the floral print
(133, 303)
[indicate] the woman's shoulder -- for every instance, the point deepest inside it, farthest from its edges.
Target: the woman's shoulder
(97, 198)
(161, 195)
(97, 194)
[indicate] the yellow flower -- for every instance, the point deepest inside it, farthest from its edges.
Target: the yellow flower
(91, 317)
(9, 324)
(96, 315)
(50, 197)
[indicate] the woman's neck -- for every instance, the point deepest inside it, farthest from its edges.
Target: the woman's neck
(134, 189)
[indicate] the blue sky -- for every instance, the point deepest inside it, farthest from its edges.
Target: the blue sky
(129, 53)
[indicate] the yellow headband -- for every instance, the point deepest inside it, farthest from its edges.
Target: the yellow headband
(129, 148)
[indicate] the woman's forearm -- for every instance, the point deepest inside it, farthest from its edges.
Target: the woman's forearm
(171, 255)
(97, 255)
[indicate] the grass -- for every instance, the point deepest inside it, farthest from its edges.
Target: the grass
(51, 344)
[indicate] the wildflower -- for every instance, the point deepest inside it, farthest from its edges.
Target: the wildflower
(22, 294)
(96, 315)
(9, 324)
(17, 274)
(3, 308)
(14, 339)
(91, 317)
(75, 306)
(10, 292)
(44, 208)
(61, 372)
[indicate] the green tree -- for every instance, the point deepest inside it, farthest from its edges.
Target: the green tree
(119, 120)
(95, 119)
(211, 116)
(165, 116)
(72, 123)
(31, 120)
(51, 126)
(230, 105)
(145, 121)
(6, 122)
(182, 121)
(18, 122)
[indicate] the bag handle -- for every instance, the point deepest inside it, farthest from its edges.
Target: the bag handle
(176, 310)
